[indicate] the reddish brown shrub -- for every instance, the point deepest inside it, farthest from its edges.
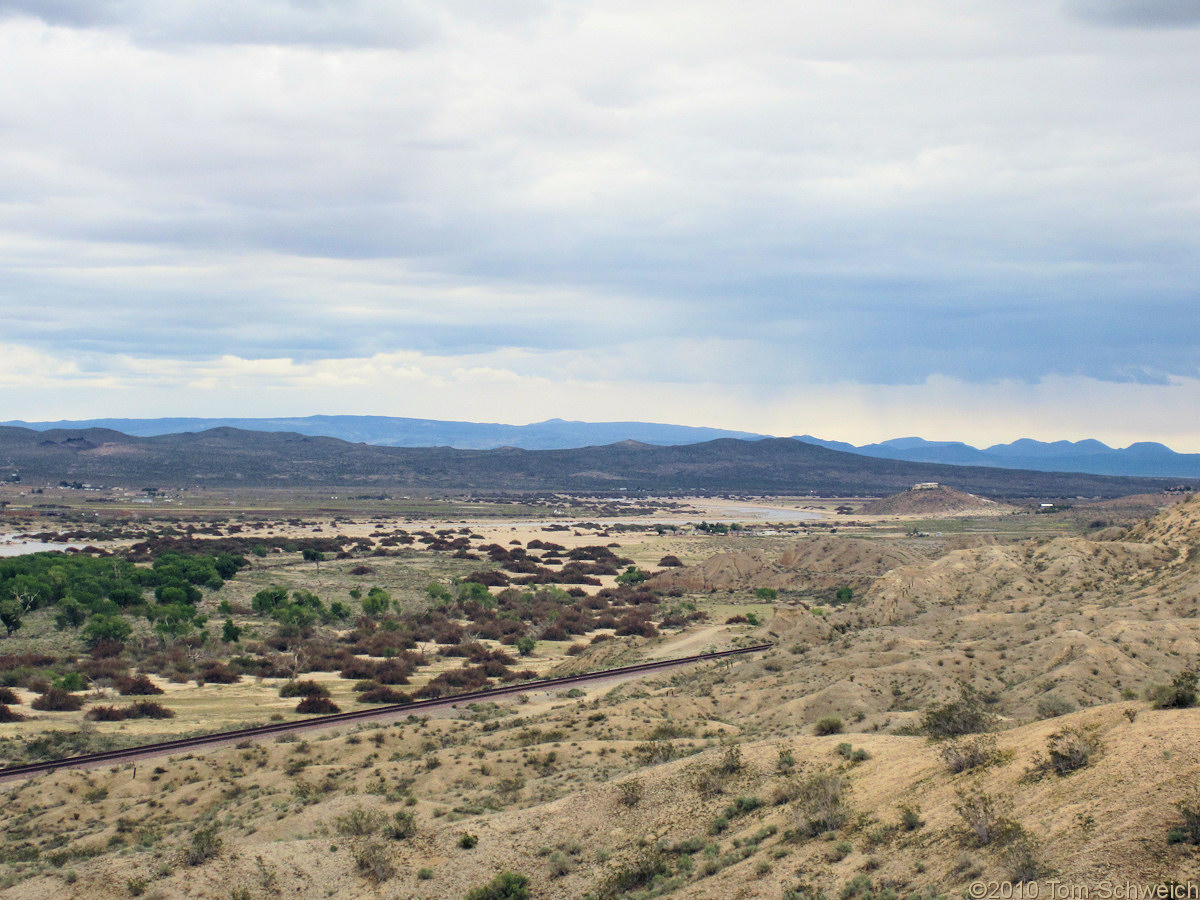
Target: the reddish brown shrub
(57, 700)
(303, 689)
(8, 715)
(217, 673)
(107, 714)
(150, 709)
(383, 694)
(138, 686)
(317, 706)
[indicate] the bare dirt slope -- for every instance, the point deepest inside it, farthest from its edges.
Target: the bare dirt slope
(812, 563)
(935, 501)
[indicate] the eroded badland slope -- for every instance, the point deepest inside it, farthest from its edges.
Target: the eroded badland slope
(712, 782)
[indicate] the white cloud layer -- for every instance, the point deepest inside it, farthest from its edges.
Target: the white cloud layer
(855, 199)
(519, 387)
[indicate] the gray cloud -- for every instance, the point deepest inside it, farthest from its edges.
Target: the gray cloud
(349, 23)
(1140, 13)
(843, 192)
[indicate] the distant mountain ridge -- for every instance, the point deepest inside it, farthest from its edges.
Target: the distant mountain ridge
(393, 431)
(1140, 460)
(229, 456)
(1144, 459)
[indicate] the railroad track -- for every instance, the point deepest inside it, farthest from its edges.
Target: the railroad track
(222, 737)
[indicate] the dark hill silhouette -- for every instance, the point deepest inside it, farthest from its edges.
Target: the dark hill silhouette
(231, 456)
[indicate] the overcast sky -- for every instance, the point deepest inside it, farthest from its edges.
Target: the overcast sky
(860, 219)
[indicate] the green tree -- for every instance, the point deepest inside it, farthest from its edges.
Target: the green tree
(175, 620)
(631, 576)
(525, 644)
(266, 600)
(10, 615)
(230, 633)
(105, 628)
(377, 602)
(69, 614)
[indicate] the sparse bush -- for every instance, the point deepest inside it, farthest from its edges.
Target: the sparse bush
(106, 714)
(403, 825)
(8, 697)
(841, 850)
(969, 753)
(138, 686)
(205, 845)
(505, 886)
(384, 694)
(631, 791)
(1051, 706)
(985, 815)
(786, 762)
(57, 700)
(820, 803)
(9, 715)
(303, 689)
(1069, 750)
(1190, 810)
(1179, 694)
(910, 817)
(468, 841)
(730, 762)
(1023, 858)
(373, 862)
(559, 864)
(317, 706)
(149, 709)
(966, 715)
(641, 872)
(359, 822)
(828, 725)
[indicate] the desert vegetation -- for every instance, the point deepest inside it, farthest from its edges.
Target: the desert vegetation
(935, 710)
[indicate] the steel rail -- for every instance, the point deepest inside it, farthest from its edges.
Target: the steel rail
(357, 715)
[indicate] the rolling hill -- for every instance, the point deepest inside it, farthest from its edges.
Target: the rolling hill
(232, 457)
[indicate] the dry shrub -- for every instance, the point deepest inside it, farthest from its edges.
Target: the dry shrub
(1179, 694)
(1023, 858)
(359, 822)
(303, 689)
(373, 861)
(821, 803)
(138, 686)
(383, 694)
(1069, 750)
(9, 697)
(217, 673)
(970, 753)
(9, 715)
(1190, 810)
(317, 706)
(985, 815)
(149, 709)
(631, 792)
(57, 700)
(205, 845)
(966, 715)
(106, 714)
